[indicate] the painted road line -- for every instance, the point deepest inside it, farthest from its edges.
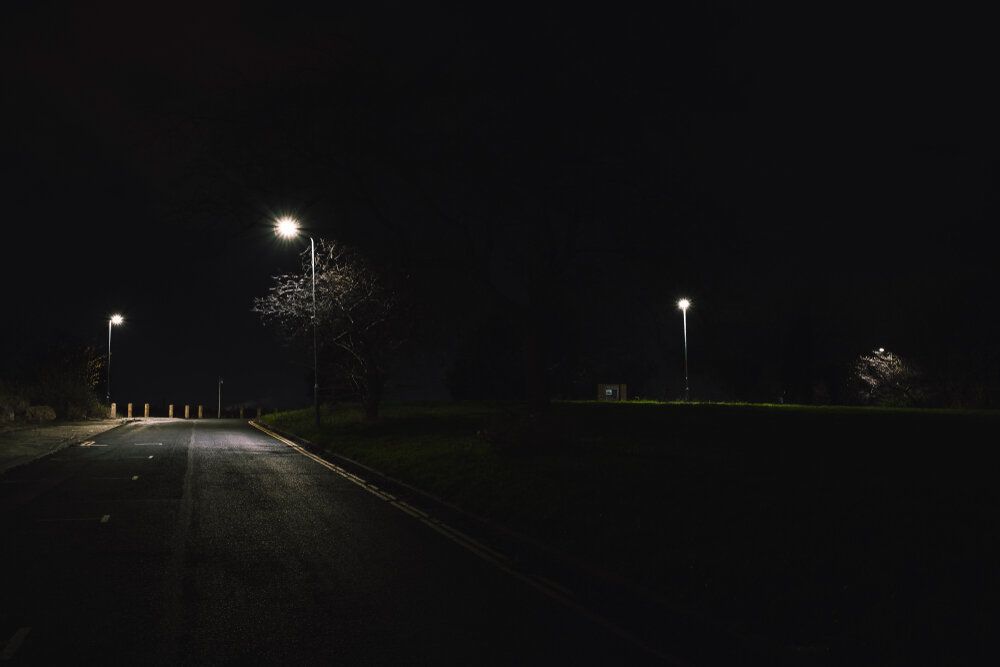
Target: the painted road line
(370, 488)
(14, 643)
(91, 443)
(501, 561)
(455, 535)
(149, 444)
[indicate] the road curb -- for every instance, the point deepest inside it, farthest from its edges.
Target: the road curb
(46, 449)
(423, 499)
(657, 622)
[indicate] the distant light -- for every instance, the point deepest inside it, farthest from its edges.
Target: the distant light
(117, 319)
(881, 350)
(683, 304)
(287, 227)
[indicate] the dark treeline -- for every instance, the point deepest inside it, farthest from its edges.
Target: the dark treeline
(63, 375)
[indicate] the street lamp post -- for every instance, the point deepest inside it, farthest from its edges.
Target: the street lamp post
(219, 415)
(684, 304)
(116, 320)
(289, 228)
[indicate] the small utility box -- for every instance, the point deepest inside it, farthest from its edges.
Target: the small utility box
(612, 392)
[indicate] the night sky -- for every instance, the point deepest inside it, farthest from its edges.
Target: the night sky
(818, 182)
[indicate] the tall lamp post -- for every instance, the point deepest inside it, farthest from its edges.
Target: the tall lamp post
(289, 228)
(115, 320)
(684, 304)
(219, 414)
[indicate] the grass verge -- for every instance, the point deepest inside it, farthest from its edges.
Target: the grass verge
(861, 532)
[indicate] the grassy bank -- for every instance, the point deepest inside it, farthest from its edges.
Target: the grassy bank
(853, 530)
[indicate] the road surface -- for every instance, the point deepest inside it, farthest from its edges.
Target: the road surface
(210, 542)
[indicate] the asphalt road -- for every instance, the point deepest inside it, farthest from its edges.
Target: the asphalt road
(173, 542)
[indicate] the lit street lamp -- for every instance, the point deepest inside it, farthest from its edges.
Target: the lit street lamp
(684, 304)
(115, 320)
(289, 228)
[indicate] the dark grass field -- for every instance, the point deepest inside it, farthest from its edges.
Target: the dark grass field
(846, 535)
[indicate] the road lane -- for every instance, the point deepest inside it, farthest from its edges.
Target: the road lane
(229, 547)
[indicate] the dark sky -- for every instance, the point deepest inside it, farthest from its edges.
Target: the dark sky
(817, 181)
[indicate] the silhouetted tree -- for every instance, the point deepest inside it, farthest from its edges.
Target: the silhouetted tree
(66, 376)
(358, 317)
(498, 209)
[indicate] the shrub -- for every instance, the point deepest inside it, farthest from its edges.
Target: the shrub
(39, 413)
(11, 405)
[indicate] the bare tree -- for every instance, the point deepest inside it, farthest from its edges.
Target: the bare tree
(358, 318)
(885, 378)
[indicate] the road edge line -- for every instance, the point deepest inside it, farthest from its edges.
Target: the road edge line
(482, 551)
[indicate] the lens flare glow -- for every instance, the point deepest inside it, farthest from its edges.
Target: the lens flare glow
(683, 304)
(117, 319)
(287, 227)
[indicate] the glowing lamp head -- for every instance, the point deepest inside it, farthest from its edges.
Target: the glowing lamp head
(287, 227)
(683, 304)
(117, 319)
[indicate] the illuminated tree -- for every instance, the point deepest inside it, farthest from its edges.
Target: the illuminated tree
(885, 378)
(358, 317)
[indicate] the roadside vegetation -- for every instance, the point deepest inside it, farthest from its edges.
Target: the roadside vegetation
(58, 381)
(819, 527)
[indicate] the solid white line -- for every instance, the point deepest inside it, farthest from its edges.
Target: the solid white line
(149, 444)
(14, 643)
